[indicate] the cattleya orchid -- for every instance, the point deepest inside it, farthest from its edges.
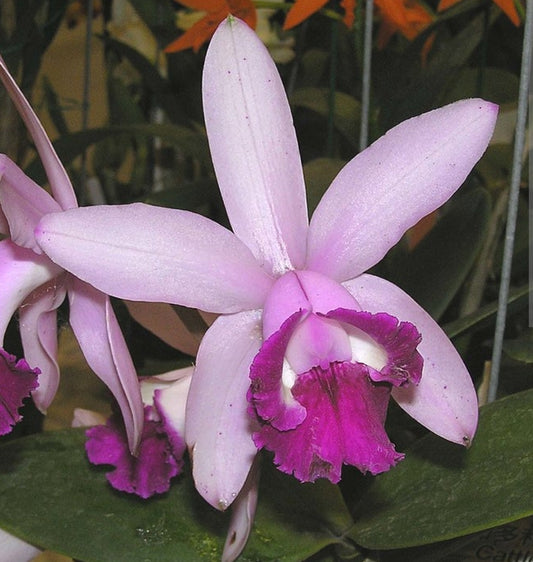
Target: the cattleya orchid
(308, 347)
(160, 453)
(36, 286)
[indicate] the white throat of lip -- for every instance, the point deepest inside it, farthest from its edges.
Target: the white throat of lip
(366, 350)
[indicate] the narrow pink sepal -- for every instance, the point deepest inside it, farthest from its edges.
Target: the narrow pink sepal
(57, 176)
(445, 399)
(254, 148)
(102, 343)
(38, 332)
(23, 203)
(242, 516)
(147, 253)
(218, 429)
(403, 176)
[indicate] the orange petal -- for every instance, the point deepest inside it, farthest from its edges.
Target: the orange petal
(349, 12)
(509, 9)
(407, 17)
(301, 10)
(445, 4)
(197, 35)
(243, 9)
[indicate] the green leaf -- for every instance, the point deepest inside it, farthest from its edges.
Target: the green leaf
(435, 270)
(51, 496)
(521, 348)
(441, 491)
(153, 81)
(409, 88)
(518, 299)
(68, 147)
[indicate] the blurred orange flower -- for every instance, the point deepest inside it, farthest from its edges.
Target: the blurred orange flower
(405, 16)
(506, 6)
(216, 11)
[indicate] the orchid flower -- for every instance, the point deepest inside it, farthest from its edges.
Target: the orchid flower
(36, 286)
(160, 453)
(308, 347)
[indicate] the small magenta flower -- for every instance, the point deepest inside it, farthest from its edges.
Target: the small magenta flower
(35, 286)
(308, 347)
(159, 456)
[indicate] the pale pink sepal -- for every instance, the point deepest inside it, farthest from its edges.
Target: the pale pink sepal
(23, 203)
(98, 333)
(21, 271)
(14, 549)
(409, 172)
(254, 148)
(445, 399)
(242, 516)
(170, 398)
(57, 176)
(163, 321)
(87, 418)
(218, 428)
(156, 254)
(38, 332)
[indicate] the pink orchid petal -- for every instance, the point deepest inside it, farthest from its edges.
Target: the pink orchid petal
(23, 203)
(218, 429)
(140, 252)
(170, 402)
(445, 400)
(12, 548)
(163, 321)
(57, 176)
(38, 331)
(254, 148)
(242, 516)
(390, 186)
(21, 272)
(17, 380)
(98, 333)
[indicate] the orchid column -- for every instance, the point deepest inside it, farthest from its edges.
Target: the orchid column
(308, 347)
